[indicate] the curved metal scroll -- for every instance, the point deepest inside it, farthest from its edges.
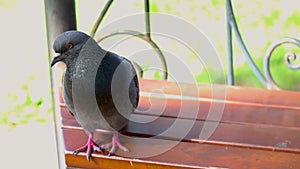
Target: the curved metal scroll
(289, 57)
(144, 36)
(232, 25)
(266, 79)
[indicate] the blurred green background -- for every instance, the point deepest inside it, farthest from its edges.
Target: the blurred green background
(25, 91)
(260, 23)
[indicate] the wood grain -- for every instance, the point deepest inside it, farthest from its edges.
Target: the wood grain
(254, 128)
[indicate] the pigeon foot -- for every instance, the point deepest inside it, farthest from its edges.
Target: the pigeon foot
(115, 143)
(89, 148)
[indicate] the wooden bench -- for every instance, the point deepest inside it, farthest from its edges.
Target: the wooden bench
(255, 128)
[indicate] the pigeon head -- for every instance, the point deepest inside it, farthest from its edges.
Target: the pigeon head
(67, 46)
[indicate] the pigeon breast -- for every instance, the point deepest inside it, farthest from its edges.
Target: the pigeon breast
(101, 89)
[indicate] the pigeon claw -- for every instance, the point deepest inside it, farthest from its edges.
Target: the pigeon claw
(89, 148)
(114, 145)
(110, 154)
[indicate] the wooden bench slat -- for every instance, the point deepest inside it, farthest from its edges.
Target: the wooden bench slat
(232, 113)
(104, 162)
(232, 93)
(270, 137)
(258, 129)
(191, 155)
(262, 137)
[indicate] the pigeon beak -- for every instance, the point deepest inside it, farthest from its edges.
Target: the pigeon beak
(56, 59)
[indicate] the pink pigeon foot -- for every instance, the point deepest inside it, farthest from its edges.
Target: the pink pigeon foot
(89, 147)
(115, 143)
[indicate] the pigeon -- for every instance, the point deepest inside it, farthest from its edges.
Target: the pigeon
(100, 88)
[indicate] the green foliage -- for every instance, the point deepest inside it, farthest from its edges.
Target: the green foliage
(157, 75)
(210, 76)
(244, 76)
(286, 78)
(154, 7)
(23, 109)
(269, 20)
(260, 22)
(217, 2)
(293, 19)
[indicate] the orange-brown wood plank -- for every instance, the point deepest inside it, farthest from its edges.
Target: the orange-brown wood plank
(184, 154)
(270, 137)
(258, 128)
(240, 124)
(103, 162)
(281, 110)
(230, 112)
(250, 136)
(232, 93)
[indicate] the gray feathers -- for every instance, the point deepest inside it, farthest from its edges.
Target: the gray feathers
(76, 38)
(100, 88)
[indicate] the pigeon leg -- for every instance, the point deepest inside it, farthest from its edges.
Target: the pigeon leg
(115, 143)
(89, 147)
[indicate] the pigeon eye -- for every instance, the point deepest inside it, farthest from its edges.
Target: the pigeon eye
(70, 46)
